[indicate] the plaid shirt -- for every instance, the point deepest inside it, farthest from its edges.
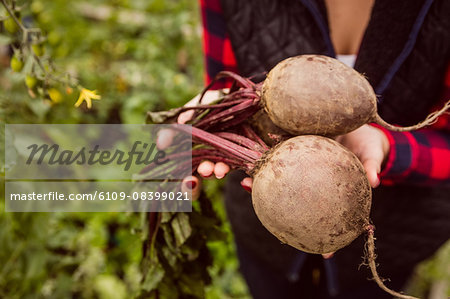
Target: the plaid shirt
(420, 157)
(219, 55)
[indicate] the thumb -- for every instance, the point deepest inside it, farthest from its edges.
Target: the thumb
(372, 168)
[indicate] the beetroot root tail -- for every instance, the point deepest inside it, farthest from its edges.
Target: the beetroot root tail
(431, 118)
(370, 260)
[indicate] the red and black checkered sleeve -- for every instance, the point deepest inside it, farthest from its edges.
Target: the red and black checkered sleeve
(217, 48)
(421, 157)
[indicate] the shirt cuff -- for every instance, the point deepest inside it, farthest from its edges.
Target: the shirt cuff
(402, 158)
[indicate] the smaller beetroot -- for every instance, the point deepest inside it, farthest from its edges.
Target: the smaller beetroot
(307, 94)
(316, 94)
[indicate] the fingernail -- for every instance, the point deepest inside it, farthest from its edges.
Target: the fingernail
(191, 184)
(328, 255)
(221, 169)
(247, 188)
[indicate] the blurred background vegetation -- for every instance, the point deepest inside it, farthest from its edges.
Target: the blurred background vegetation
(138, 55)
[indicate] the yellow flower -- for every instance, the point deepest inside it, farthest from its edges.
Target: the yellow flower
(87, 95)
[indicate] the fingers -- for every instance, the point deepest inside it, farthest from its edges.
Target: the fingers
(206, 169)
(212, 96)
(164, 138)
(191, 184)
(328, 255)
(221, 169)
(247, 184)
(372, 168)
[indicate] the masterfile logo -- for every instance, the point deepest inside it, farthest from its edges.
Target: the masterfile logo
(95, 168)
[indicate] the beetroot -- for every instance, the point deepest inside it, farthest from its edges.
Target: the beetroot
(309, 191)
(307, 94)
(291, 194)
(315, 94)
(264, 127)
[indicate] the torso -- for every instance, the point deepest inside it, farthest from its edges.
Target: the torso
(347, 21)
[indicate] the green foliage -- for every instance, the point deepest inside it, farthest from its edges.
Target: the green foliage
(66, 254)
(187, 256)
(139, 55)
(433, 275)
(227, 281)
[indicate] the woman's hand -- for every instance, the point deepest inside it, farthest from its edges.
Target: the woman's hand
(371, 146)
(207, 168)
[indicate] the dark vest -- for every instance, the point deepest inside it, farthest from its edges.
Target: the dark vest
(404, 54)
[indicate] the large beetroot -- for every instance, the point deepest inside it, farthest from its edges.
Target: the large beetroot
(309, 191)
(312, 193)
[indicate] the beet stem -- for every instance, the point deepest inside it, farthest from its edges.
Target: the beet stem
(248, 131)
(242, 81)
(212, 106)
(241, 140)
(234, 120)
(221, 143)
(215, 158)
(171, 157)
(209, 120)
(216, 152)
(165, 169)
